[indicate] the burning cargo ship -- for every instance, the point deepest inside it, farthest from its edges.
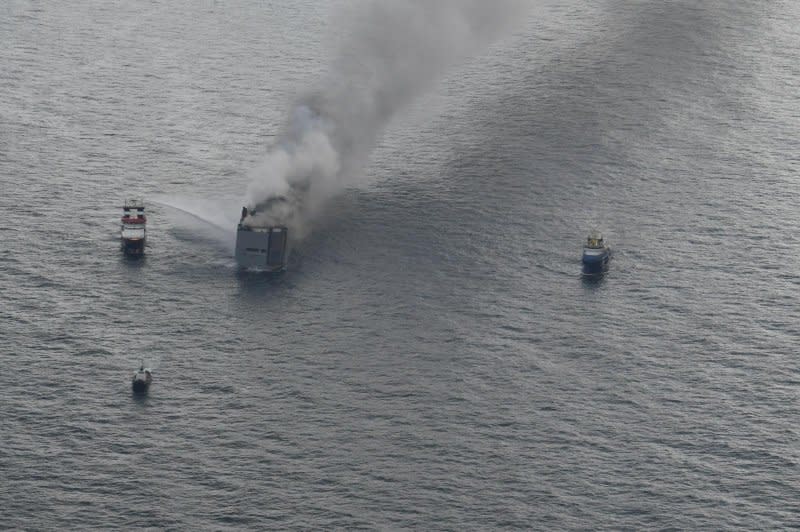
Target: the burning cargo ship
(260, 244)
(133, 233)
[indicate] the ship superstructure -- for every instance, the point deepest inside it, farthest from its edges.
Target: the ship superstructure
(133, 232)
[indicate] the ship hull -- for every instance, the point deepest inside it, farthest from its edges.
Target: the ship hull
(140, 386)
(263, 249)
(595, 261)
(132, 247)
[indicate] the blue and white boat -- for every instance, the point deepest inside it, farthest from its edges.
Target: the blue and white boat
(596, 254)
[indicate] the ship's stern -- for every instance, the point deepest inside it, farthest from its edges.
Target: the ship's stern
(262, 248)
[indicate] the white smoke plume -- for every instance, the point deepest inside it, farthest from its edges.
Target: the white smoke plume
(395, 51)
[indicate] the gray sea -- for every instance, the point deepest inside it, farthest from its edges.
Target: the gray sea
(432, 358)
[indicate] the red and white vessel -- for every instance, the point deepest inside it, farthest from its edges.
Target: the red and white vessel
(133, 234)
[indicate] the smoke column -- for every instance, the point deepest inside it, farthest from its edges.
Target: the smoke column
(395, 51)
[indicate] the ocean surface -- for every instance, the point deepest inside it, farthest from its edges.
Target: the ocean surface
(432, 359)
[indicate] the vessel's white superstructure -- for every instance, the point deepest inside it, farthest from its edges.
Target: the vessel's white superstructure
(132, 231)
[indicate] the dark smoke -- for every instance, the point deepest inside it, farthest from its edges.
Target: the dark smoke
(396, 51)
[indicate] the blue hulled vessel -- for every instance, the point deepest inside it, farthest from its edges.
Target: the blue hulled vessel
(596, 254)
